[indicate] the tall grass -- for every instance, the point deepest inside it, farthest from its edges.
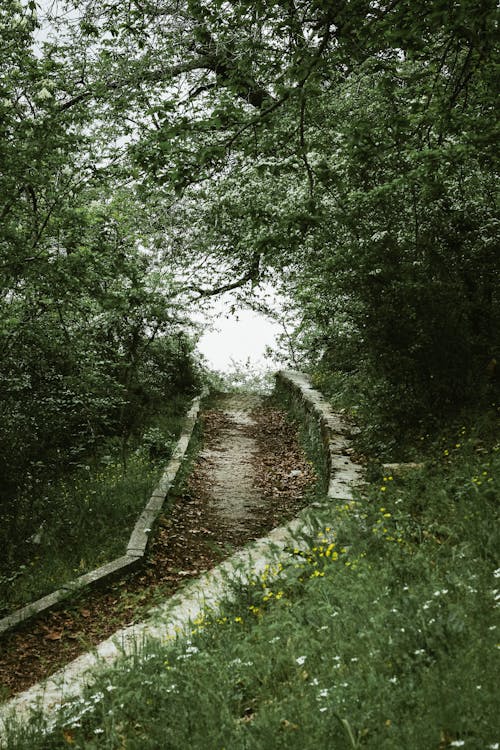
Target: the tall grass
(382, 633)
(84, 517)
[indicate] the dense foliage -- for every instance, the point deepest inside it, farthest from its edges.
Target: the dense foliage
(344, 150)
(91, 336)
(154, 154)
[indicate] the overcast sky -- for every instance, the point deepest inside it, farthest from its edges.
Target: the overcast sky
(238, 337)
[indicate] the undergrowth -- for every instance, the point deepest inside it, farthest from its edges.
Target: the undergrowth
(380, 632)
(84, 518)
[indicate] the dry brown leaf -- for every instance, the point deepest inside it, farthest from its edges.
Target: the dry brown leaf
(53, 636)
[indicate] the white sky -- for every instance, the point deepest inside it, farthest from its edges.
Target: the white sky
(238, 338)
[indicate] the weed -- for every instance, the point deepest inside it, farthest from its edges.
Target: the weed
(380, 631)
(84, 518)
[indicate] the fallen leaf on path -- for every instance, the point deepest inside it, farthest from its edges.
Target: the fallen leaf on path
(54, 636)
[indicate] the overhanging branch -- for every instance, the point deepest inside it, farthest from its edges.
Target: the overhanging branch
(251, 275)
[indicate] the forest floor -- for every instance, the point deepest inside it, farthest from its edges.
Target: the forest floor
(249, 476)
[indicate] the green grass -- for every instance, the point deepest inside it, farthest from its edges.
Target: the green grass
(85, 517)
(382, 633)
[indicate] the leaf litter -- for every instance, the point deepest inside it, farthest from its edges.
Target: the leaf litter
(273, 482)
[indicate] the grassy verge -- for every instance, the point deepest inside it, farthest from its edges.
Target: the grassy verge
(86, 516)
(382, 633)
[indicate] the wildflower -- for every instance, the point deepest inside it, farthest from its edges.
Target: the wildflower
(457, 743)
(300, 660)
(44, 94)
(238, 619)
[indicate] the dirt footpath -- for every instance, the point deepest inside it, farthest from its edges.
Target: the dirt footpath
(249, 476)
(229, 463)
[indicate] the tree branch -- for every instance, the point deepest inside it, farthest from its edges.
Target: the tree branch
(251, 275)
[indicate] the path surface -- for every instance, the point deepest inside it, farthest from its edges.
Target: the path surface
(230, 461)
(250, 476)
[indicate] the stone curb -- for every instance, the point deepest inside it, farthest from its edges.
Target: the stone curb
(166, 621)
(139, 538)
(206, 592)
(341, 472)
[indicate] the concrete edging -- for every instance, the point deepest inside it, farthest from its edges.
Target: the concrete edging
(138, 541)
(340, 471)
(176, 614)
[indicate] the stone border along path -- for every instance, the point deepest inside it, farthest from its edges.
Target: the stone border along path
(206, 592)
(139, 539)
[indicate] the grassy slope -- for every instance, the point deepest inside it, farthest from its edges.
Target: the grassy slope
(92, 512)
(387, 640)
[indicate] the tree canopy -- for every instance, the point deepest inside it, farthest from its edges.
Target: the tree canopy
(156, 153)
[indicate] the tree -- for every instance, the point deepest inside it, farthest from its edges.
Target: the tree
(344, 150)
(85, 321)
